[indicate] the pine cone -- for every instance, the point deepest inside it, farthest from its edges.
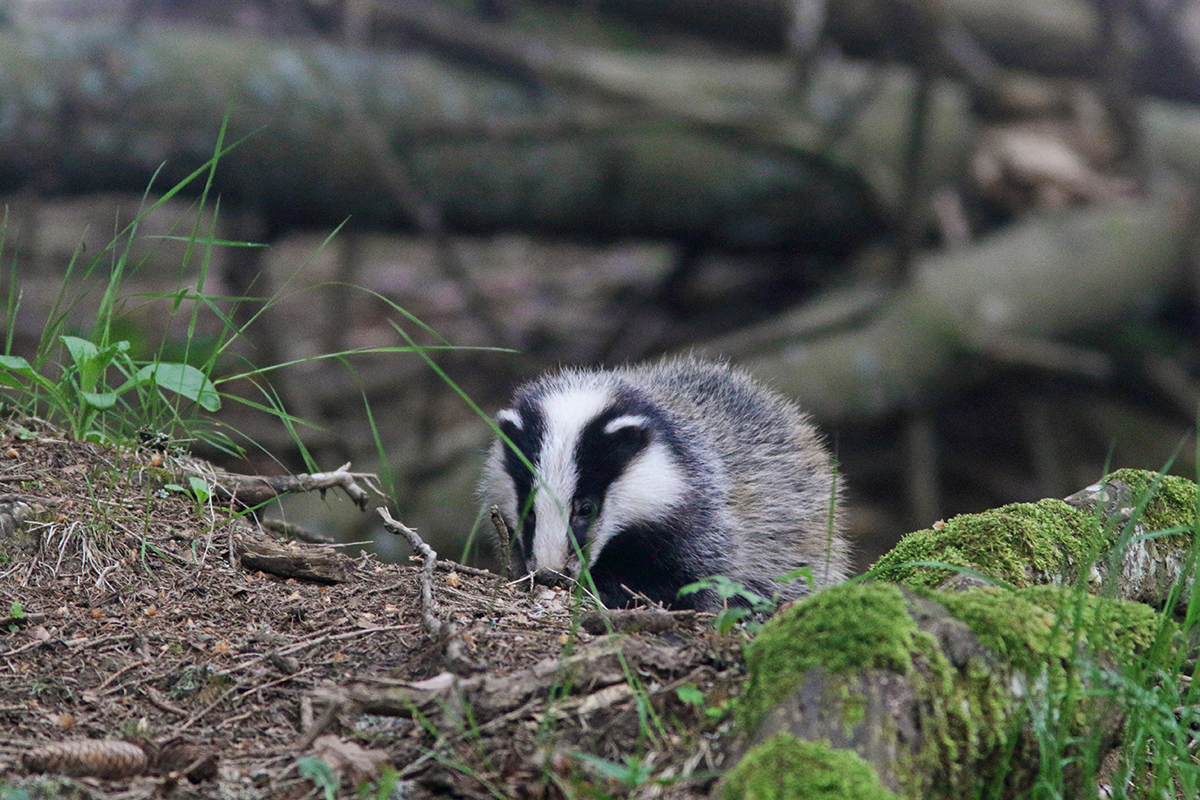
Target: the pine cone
(111, 759)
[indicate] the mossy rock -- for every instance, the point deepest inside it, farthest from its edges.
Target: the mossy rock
(1029, 626)
(1026, 544)
(842, 629)
(961, 657)
(787, 768)
(1171, 502)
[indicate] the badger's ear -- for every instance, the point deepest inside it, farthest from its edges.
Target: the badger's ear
(512, 427)
(627, 435)
(509, 421)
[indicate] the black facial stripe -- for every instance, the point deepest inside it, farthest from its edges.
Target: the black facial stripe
(528, 439)
(602, 456)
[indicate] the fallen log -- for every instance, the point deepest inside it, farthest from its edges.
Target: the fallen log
(955, 691)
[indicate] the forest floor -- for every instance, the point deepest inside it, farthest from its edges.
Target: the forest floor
(126, 615)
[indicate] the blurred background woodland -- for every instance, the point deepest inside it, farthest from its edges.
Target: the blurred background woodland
(959, 232)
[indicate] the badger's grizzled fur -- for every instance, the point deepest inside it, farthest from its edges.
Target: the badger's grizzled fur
(661, 475)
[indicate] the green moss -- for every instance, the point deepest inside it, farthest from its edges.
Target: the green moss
(853, 710)
(841, 629)
(1029, 626)
(786, 768)
(1050, 633)
(1116, 629)
(1040, 634)
(1174, 501)
(1012, 627)
(1019, 543)
(1024, 543)
(968, 714)
(970, 717)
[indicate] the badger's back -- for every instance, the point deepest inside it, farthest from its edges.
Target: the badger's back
(778, 477)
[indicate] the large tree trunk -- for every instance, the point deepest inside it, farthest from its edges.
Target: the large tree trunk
(1013, 296)
(1058, 37)
(324, 133)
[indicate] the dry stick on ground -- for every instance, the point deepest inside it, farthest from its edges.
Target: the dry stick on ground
(457, 660)
(432, 624)
(503, 540)
(253, 490)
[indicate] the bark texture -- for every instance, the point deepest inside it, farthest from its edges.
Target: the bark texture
(314, 123)
(1012, 296)
(1060, 37)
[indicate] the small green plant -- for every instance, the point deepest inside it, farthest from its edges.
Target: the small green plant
(94, 382)
(321, 774)
(81, 391)
(105, 386)
(15, 612)
(385, 788)
(746, 602)
(633, 773)
(689, 693)
(804, 573)
(197, 489)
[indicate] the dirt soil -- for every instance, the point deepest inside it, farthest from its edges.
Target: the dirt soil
(128, 616)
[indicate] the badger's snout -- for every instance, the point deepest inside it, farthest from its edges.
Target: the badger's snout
(553, 578)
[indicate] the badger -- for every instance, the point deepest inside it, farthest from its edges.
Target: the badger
(652, 477)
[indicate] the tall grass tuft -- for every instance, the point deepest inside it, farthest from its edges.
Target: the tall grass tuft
(1154, 689)
(93, 382)
(101, 385)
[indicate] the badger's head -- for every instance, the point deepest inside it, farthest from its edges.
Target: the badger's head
(585, 461)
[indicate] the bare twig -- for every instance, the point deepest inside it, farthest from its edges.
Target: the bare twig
(428, 616)
(503, 539)
(446, 565)
(252, 490)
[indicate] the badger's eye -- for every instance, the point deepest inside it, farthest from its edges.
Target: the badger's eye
(585, 509)
(583, 513)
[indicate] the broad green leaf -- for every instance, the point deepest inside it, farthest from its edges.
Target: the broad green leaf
(83, 352)
(199, 488)
(321, 774)
(183, 379)
(90, 361)
(101, 401)
(690, 694)
(16, 364)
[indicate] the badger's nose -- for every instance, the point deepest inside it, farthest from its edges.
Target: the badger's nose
(549, 577)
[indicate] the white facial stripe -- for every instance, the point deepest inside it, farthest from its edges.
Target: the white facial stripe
(627, 421)
(651, 486)
(566, 414)
(511, 416)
